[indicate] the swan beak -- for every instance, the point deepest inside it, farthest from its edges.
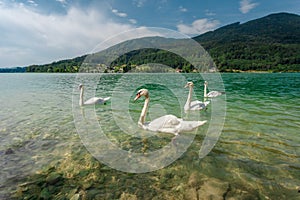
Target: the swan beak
(189, 84)
(137, 96)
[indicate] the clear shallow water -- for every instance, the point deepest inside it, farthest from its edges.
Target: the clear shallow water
(258, 151)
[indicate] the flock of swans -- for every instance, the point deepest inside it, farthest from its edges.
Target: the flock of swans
(167, 123)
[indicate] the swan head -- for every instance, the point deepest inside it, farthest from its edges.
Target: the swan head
(141, 92)
(205, 83)
(80, 86)
(189, 84)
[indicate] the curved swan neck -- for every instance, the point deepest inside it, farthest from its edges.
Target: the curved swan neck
(81, 97)
(189, 99)
(144, 110)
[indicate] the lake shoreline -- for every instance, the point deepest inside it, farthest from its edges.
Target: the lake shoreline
(226, 72)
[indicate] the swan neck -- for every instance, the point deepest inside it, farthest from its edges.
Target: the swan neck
(189, 99)
(81, 97)
(205, 90)
(144, 110)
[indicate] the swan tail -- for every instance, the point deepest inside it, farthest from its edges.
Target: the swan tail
(190, 125)
(200, 123)
(206, 103)
(106, 99)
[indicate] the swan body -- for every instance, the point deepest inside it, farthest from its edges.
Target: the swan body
(167, 123)
(193, 105)
(211, 94)
(91, 101)
(96, 100)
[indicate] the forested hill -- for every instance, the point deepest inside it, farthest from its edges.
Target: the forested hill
(63, 66)
(268, 43)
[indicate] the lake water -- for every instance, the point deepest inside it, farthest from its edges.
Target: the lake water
(42, 129)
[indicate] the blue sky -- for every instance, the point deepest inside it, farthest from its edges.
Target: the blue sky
(43, 31)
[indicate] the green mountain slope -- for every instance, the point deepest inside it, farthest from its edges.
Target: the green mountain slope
(268, 43)
(139, 55)
(64, 66)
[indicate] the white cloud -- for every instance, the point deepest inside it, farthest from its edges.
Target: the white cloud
(246, 6)
(199, 26)
(133, 21)
(32, 2)
(29, 37)
(182, 9)
(120, 14)
(139, 3)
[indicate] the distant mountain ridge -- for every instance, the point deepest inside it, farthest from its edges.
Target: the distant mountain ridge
(281, 28)
(270, 43)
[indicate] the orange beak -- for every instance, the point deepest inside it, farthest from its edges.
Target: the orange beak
(137, 96)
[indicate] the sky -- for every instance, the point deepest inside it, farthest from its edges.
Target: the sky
(43, 31)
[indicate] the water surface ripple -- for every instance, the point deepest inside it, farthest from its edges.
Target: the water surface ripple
(258, 151)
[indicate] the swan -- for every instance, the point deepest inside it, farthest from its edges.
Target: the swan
(165, 124)
(211, 94)
(193, 105)
(91, 101)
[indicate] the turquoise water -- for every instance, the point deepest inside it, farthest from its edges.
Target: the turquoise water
(257, 154)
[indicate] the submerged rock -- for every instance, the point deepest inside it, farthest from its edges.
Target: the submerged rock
(126, 196)
(75, 197)
(191, 194)
(9, 151)
(53, 178)
(45, 194)
(213, 189)
(194, 180)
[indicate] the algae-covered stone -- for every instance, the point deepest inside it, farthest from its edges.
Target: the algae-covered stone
(75, 197)
(45, 194)
(9, 151)
(239, 194)
(53, 178)
(194, 180)
(191, 193)
(126, 196)
(213, 189)
(92, 193)
(87, 184)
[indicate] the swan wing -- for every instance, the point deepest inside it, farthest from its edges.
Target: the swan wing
(214, 94)
(187, 126)
(166, 123)
(172, 124)
(198, 105)
(96, 100)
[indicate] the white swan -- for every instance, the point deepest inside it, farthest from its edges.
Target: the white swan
(211, 94)
(193, 105)
(167, 123)
(91, 101)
